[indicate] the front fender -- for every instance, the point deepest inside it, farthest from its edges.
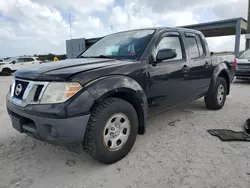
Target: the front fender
(107, 86)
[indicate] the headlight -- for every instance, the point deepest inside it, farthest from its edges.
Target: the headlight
(57, 92)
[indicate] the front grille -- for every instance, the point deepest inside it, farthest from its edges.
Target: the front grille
(244, 66)
(38, 92)
(20, 87)
(25, 92)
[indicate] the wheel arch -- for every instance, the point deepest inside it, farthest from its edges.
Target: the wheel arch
(6, 69)
(125, 88)
(224, 74)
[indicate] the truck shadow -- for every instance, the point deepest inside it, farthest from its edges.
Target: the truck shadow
(6, 75)
(245, 81)
(22, 147)
(23, 156)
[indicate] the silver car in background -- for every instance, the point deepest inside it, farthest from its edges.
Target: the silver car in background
(243, 66)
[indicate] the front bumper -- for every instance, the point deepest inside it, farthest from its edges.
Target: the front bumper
(68, 132)
(242, 73)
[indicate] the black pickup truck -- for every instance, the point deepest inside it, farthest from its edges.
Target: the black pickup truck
(100, 101)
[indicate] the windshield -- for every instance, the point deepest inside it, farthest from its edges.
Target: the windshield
(9, 60)
(125, 45)
(245, 55)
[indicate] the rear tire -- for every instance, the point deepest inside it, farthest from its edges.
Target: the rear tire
(111, 131)
(216, 97)
(6, 72)
(247, 126)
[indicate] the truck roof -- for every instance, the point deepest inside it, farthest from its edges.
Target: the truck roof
(27, 56)
(158, 29)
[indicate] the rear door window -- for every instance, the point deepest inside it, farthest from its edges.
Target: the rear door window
(20, 60)
(193, 47)
(28, 59)
(201, 49)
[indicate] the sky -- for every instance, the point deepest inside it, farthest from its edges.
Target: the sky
(29, 27)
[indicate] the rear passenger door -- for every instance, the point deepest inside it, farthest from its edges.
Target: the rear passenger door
(17, 64)
(200, 64)
(28, 62)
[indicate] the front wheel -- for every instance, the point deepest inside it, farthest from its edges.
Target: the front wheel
(6, 72)
(216, 97)
(111, 131)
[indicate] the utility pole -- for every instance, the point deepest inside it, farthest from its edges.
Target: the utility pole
(111, 27)
(70, 33)
(70, 29)
(248, 27)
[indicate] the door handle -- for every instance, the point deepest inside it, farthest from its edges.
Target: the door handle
(184, 69)
(206, 65)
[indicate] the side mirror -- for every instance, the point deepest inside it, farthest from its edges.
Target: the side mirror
(165, 54)
(13, 62)
(211, 53)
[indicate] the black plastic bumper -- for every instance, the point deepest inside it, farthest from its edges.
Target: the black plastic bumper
(242, 73)
(68, 132)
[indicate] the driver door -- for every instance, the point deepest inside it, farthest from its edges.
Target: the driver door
(168, 85)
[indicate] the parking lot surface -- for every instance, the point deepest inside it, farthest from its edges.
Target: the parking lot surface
(176, 151)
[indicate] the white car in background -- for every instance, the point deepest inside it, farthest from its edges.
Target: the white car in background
(16, 63)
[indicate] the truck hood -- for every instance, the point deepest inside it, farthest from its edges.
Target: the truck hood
(62, 70)
(4, 62)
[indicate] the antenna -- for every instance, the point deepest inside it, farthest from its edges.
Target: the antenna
(70, 32)
(111, 26)
(129, 18)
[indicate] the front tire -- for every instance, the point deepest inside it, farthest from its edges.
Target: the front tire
(216, 97)
(111, 131)
(6, 72)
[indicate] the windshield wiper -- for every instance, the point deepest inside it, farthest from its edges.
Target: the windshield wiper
(100, 56)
